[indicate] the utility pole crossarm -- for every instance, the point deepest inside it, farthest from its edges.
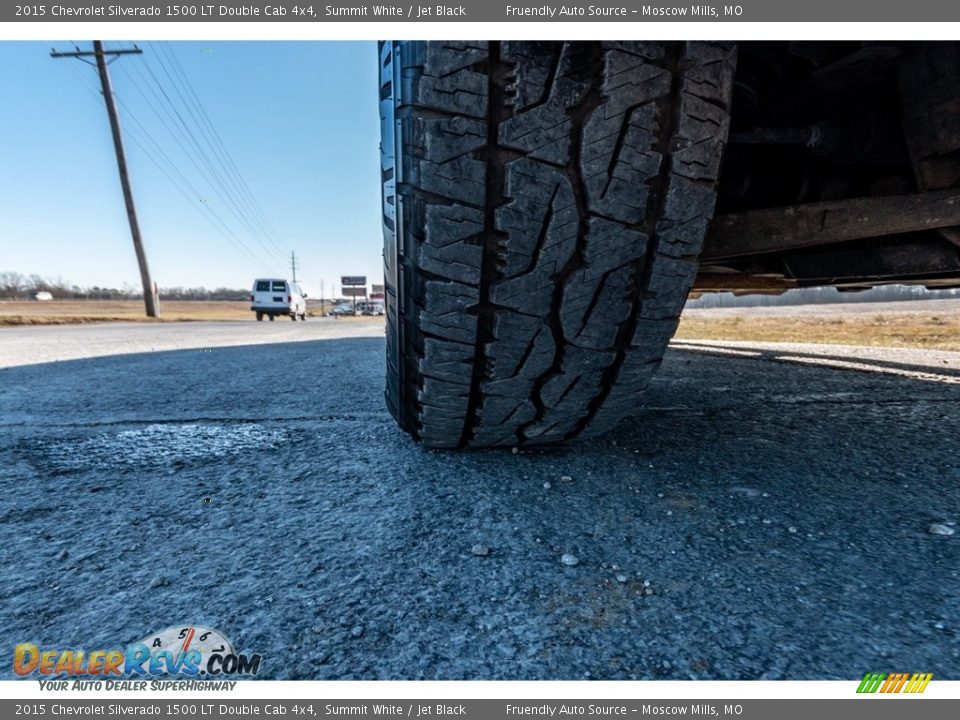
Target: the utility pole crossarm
(93, 53)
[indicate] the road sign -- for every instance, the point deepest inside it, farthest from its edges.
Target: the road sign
(377, 296)
(376, 290)
(353, 280)
(354, 292)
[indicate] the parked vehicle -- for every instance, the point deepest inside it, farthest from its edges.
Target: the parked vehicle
(42, 296)
(271, 297)
(560, 200)
(342, 310)
(370, 307)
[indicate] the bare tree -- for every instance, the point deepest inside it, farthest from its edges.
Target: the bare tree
(12, 284)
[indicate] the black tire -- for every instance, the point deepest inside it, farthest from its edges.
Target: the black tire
(272, 317)
(544, 206)
(259, 317)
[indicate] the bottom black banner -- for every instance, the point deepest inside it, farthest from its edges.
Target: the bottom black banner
(873, 707)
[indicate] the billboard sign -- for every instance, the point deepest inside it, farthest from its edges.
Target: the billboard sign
(353, 280)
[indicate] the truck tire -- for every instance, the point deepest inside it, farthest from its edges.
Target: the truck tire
(544, 207)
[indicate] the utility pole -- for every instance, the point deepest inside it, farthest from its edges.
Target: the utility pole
(149, 289)
(293, 264)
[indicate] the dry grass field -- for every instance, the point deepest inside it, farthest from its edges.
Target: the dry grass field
(926, 324)
(923, 324)
(63, 312)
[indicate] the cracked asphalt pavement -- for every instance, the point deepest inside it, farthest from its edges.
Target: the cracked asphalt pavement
(769, 512)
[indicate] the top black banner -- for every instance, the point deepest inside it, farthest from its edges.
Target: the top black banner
(486, 11)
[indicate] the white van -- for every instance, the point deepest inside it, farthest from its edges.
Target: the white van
(273, 296)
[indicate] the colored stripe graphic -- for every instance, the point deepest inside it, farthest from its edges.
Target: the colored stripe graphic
(894, 682)
(890, 682)
(918, 682)
(870, 682)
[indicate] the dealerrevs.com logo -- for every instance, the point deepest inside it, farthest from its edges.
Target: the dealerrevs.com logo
(183, 651)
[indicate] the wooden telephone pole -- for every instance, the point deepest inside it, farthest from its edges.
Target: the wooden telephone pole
(149, 289)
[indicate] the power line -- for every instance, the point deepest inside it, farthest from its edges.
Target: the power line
(243, 183)
(212, 217)
(197, 201)
(194, 133)
(224, 153)
(181, 135)
(206, 211)
(211, 173)
(201, 147)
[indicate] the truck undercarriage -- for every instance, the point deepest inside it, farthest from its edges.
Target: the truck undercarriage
(842, 169)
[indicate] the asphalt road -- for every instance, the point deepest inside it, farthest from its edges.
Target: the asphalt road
(766, 515)
(31, 344)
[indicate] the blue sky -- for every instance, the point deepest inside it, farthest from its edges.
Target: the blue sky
(299, 120)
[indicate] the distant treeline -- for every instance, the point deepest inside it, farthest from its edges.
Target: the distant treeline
(16, 286)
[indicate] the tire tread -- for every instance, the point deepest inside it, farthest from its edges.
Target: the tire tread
(555, 197)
